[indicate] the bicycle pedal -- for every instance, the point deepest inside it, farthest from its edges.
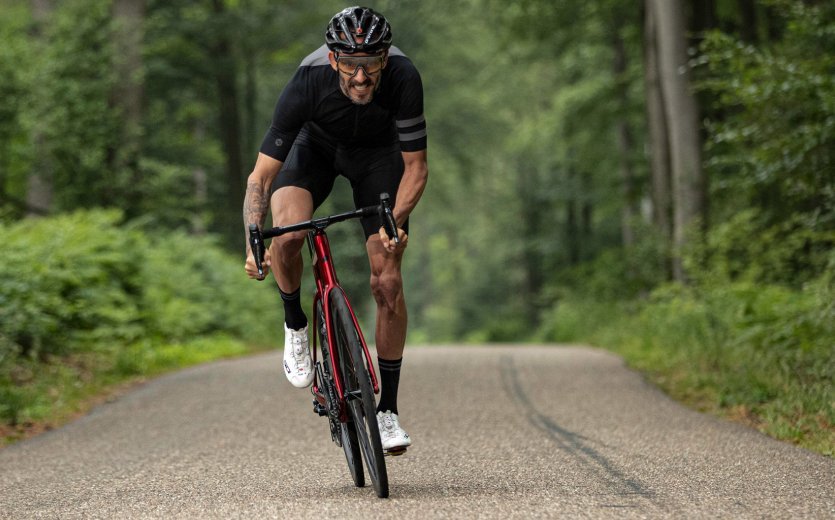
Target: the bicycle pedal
(319, 409)
(395, 452)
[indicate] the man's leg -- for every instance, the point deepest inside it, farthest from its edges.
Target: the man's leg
(387, 288)
(289, 205)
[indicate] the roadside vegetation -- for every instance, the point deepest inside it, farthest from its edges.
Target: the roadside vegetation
(88, 304)
(756, 351)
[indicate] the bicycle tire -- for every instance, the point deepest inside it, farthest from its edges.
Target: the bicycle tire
(351, 447)
(359, 395)
(348, 433)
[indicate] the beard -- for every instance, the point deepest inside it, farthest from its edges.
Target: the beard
(350, 87)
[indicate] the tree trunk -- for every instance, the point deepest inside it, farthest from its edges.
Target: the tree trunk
(629, 209)
(129, 18)
(527, 192)
(704, 16)
(572, 226)
(659, 147)
(682, 118)
(199, 219)
(250, 109)
(230, 131)
(748, 21)
(39, 189)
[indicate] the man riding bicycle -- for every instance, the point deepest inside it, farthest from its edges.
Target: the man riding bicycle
(353, 108)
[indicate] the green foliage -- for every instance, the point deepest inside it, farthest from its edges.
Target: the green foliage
(81, 281)
(36, 394)
(66, 282)
(775, 144)
(760, 351)
(15, 98)
(75, 117)
(193, 288)
(147, 358)
(747, 248)
(83, 294)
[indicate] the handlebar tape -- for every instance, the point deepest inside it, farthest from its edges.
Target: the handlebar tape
(256, 243)
(387, 216)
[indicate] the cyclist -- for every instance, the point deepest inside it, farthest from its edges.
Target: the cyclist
(353, 108)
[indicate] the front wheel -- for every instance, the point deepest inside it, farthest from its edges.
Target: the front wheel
(359, 396)
(347, 431)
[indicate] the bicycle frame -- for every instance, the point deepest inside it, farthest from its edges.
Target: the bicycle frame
(362, 435)
(326, 281)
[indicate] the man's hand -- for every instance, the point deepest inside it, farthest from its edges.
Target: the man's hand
(388, 242)
(252, 269)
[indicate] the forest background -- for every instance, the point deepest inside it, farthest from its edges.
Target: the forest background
(656, 178)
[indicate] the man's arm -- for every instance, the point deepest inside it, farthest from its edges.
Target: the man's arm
(257, 200)
(412, 184)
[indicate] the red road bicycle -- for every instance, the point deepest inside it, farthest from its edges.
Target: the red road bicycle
(345, 381)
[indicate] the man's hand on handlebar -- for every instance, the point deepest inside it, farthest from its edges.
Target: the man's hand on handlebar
(388, 242)
(252, 269)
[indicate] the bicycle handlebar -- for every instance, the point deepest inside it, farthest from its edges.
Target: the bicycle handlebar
(383, 210)
(256, 243)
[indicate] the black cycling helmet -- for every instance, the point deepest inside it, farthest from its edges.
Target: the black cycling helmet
(349, 23)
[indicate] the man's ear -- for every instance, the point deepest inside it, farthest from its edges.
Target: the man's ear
(332, 59)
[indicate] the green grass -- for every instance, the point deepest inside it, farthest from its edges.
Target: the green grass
(763, 356)
(36, 396)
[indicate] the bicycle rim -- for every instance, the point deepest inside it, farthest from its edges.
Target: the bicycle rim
(359, 395)
(348, 433)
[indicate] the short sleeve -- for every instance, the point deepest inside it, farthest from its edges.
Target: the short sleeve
(411, 124)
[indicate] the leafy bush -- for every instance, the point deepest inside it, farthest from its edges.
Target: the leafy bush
(763, 351)
(81, 281)
(747, 248)
(774, 141)
(194, 288)
(67, 282)
(86, 301)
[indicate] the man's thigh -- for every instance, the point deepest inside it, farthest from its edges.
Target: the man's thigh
(304, 182)
(291, 204)
(380, 173)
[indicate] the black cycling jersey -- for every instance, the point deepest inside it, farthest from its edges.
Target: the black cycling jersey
(313, 100)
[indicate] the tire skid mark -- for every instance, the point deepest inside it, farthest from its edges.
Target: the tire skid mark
(568, 441)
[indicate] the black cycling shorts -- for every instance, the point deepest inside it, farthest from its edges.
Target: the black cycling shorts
(314, 163)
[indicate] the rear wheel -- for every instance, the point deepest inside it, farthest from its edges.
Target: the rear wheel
(359, 396)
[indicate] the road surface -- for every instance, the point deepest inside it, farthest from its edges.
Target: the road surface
(499, 432)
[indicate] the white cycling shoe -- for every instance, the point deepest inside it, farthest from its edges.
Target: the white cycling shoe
(393, 437)
(298, 367)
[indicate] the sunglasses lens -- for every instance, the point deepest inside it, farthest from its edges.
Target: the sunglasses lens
(350, 65)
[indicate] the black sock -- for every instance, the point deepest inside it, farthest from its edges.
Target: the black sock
(294, 316)
(389, 381)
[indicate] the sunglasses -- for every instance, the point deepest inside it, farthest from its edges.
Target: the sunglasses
(350, 65)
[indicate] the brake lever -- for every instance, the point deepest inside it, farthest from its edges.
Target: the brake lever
(387, 216)
(256, 243)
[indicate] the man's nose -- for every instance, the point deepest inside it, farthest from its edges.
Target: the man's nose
(361, 76)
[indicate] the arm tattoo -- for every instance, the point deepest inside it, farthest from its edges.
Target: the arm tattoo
(255, 204)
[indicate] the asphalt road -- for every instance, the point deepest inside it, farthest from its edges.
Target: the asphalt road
(499, 432)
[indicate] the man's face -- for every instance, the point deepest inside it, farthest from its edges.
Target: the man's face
(359, 74)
